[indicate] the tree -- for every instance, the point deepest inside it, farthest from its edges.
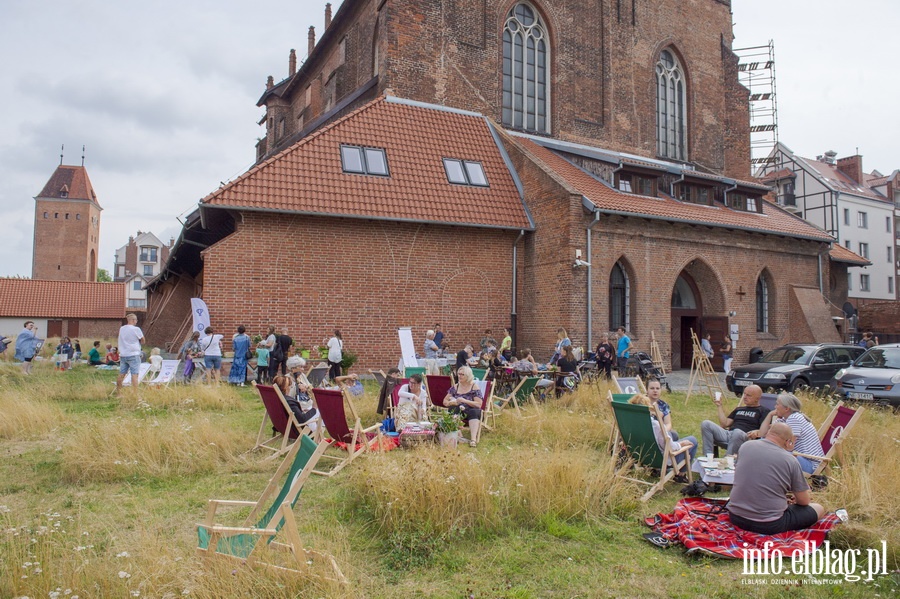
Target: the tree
(103, 276)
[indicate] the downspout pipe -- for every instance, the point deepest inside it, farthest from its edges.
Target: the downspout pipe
(674, 183)
(725, 196)
(513, 316)
(590, 279)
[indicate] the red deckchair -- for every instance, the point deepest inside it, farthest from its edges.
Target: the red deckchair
(356, 440)
(284, 424)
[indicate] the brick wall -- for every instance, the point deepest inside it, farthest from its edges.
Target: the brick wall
(603, 58)
(366, 278)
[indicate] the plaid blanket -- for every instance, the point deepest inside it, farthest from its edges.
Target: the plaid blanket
(702, 525)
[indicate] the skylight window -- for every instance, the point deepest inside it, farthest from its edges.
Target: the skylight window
(364, 161)
(465, 172)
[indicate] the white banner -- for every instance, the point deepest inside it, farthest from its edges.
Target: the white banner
(200, 313)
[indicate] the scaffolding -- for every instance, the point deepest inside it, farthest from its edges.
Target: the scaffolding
(756, 72)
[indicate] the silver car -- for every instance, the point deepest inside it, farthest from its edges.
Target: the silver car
(874, 376)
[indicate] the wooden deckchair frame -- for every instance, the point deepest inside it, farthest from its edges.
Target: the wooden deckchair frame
(838, 437)
(640, 383)
(667, 470)
(513, 396)
(355, 435)
(281, 519)
(282, 439)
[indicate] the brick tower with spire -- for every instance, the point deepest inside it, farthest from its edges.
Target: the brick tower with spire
(66, 227)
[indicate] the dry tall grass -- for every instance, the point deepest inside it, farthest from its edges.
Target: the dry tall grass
(125, 446)
(23, 416)
(185, 398)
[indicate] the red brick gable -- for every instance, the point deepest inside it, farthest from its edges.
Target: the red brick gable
(307, 178)
(31, 298)
(607, 199)
(69, 182)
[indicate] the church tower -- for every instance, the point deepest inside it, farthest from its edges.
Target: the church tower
(66, 227)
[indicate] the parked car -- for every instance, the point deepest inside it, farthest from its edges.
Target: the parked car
(874, 376)
(791, 367)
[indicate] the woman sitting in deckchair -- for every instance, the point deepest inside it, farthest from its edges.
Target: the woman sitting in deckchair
(661, 436)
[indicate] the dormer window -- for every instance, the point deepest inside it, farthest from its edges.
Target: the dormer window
(695, 194)
(465, 172)
(737, 200)
(639, 184)
(364, 161)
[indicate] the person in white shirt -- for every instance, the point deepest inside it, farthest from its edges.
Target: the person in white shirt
(335, 355)
(130, 340)
(211, 346)
(414, 393)
(431, 353)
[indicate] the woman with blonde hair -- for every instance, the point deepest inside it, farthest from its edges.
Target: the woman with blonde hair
(562, 341)
(465, 398)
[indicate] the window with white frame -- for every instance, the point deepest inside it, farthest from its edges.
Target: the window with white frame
(862, 220)
(846, 216)
(619, 298)
(864, 250)
(136, 285)
(887, 224)
(849, 281)
(890, 254)
(762, 305)
(890, 284)
(864, 282)
(526, 71)
(671, 113)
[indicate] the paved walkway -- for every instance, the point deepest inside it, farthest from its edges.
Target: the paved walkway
(678, 380)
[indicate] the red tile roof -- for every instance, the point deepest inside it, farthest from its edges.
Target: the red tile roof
(773, 220)
(842, 182)
(308, 177)
(779, 175)
(839, 253)
(31, 298)
(69, 182)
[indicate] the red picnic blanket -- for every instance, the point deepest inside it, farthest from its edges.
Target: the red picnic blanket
(702, 525)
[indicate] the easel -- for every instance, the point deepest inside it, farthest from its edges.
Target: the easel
(702, 371)
(656, 355)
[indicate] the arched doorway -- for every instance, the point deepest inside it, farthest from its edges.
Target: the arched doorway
(697, 300)
(687, 310)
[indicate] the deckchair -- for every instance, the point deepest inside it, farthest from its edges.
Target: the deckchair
(637, 435)
(487, 405)
(142, 373)
(330, 403)
(395, 397)
(166, 374)
(278, 421)
(832, 433)
(614, 433)
(479, 373)
(411, 370)
(437, 386)
(628, 384)
(523, 392)
(244, 542)
(317, 374)
(379, 376)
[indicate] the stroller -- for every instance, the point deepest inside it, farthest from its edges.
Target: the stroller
(645, 369)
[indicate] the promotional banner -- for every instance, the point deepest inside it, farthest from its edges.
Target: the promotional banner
(200, 314)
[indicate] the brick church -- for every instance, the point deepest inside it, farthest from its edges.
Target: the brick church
(486, 164)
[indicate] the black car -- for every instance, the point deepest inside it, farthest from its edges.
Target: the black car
(794, 366)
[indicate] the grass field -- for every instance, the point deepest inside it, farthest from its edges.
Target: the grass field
(99, 497)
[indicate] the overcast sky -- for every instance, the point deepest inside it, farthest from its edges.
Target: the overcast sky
(163, 95)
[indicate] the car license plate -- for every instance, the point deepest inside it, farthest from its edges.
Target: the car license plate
(853, 395)
(741, 383)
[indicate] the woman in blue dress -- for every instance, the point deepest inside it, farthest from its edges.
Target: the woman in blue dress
(241, 346)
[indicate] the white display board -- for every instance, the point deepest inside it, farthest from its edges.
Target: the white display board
(407, 347)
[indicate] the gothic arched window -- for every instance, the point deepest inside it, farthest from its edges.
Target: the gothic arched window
(526, 71)
(671, 121)
(762, 305)
(619, 298)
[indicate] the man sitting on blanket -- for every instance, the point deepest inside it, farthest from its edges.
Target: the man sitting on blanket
(766, 472)
(743, 423)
